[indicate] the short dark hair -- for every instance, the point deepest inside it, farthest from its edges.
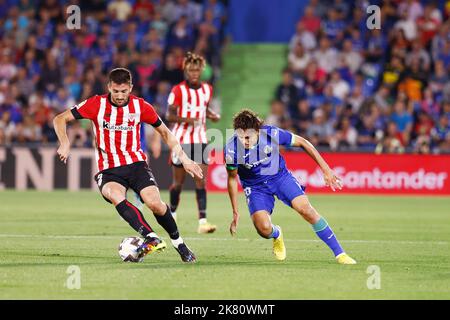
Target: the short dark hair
(119, 76)
(247, 119)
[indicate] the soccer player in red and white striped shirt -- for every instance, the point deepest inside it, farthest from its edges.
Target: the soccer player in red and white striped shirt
(188, 109)
(116, 119)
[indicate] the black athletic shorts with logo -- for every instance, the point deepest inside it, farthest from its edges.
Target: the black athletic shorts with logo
(195, 151)
(135, 176)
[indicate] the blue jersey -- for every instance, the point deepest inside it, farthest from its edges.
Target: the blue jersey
(263, 161)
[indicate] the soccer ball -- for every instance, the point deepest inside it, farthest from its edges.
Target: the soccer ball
(128, 249)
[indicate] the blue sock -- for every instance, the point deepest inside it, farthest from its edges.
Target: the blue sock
(275, 232)
(324, 232)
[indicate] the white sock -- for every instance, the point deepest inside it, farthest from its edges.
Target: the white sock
(152, 235)
(177, 242)
(174, 215)
(202, 221)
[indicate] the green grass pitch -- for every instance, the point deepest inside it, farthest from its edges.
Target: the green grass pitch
(42, 234)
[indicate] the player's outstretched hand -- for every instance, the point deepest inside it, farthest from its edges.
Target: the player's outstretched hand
(332, 180)
(234, 223)
(215, 117)
(63, 152)
(193, 169)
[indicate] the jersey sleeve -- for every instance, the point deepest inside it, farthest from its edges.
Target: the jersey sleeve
(285, 138)
(230, 158)
(86, 109)
(174, 97)
(149, 115)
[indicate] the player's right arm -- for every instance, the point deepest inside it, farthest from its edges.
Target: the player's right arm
(232, 185)
(331, 179)
(84, 110)
(60, 124)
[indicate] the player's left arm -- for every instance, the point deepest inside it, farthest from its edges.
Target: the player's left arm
(149, 115)
(210, 114)
(331, 179)
(169, 138)
(155, 145)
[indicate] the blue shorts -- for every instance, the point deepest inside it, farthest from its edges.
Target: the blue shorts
(261, 196)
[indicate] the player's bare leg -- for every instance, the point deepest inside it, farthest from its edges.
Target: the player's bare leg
(163, 215)
(265, 228)
(320, 226)
(116, 193)
(179, 175)
(200, 192)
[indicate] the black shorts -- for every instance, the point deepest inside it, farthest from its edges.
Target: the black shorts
(195, 151)
(135, 176)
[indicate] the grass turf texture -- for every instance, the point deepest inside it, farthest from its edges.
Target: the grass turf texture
(42, 234)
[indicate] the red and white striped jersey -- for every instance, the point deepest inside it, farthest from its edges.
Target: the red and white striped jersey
(117, 129)
(191, 104)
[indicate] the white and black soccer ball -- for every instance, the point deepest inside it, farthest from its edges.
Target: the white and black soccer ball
(128, 249)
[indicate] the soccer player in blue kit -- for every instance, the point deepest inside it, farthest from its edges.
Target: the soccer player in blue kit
(253, 155)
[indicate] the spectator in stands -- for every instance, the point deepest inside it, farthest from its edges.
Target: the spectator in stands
(121, 9)
(286, 92)
(298, 59)
(339, 87)
(188, 9)
(429, 105)
(278, 115)
(302, 117)
(170, 71)
(309, 21)
(420, 54)
(319, 8)
(403, 121)
(326, 56)
(428, 25)
(181, 34)
(367, 133)
(352, 58)
(438, 79)
(414, 81)
(392, 141)
(304, 37)
(333, 26)
(321, 131)
(441, 132)
(346, 134)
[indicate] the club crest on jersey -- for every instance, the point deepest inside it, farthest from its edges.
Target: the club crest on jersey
(132, 117)
(268, 149)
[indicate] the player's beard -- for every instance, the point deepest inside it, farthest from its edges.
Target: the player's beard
(120, 102)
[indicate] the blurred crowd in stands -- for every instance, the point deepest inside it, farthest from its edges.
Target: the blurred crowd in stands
(46, 67)
(347, 87)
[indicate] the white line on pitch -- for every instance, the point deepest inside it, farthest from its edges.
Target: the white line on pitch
(206, 238)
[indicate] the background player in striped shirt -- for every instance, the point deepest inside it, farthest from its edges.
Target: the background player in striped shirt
(188, 109)
(122, 164)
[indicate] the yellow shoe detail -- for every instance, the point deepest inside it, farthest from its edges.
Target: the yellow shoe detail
(279, 250)
(344, 258)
